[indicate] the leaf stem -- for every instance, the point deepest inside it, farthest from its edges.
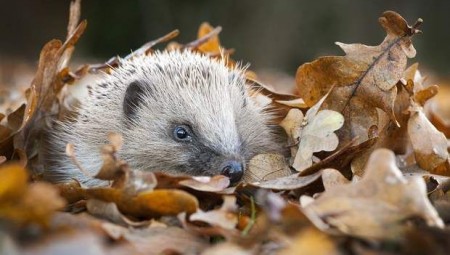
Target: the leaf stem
(252, 217)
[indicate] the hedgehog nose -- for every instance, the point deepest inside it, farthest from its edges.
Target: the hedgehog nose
(233, 170)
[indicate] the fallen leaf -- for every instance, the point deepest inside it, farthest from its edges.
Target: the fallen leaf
(2, 159)
(206, 183)
(25, 203)
(225, 249)
(439, 109)
(161, 240)
(224, 217)
(109, 211)
(377, 205)
(264, 167)
(289, 182)
(15, 118)
(422, 96)
(314, 132)
(363, 79)
(212, 46)
(431, 153)
(311, 241)
(147, 204)
(332, 178)
(13, 182)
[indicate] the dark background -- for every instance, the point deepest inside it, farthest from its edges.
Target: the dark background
(267, 33)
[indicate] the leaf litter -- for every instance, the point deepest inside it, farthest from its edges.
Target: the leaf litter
(354, 120)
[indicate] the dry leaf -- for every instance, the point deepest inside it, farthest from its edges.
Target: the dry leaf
(15, 118)
(422, 96)
(332, 178)
(364, 79)
(311, 241)
(226, 248)
(148, 204)
(206, 183)
(298, 103)
(429, 144)
(110, 212)
(23, 203)
(224, 217)
(13, 182)
(289, 182)
(264, 167)
(314, 132)
(212, 46)
(440, 110)
(377, 205)
(161, 240)
(2, 159)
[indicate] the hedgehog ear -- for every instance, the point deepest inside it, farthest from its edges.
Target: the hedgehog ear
(133, 98)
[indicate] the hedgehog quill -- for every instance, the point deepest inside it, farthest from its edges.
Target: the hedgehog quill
(178, 112)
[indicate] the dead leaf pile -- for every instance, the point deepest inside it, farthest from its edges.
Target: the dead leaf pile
(367, 173)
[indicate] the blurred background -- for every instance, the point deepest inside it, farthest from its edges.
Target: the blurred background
(271, 35)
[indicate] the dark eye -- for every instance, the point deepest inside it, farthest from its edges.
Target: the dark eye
(182, 133)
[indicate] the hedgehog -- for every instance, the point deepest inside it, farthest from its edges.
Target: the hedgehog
(179, 112)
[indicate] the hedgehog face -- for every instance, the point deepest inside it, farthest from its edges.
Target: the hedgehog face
(198, 120)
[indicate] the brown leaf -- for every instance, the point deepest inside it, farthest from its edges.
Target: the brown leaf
(112, 168)
(364, 79)
(71, 191)
(13, 182)
(226, 248)
(422, 96)
(289, 182)
(314, 132)
(15, 118)
(212, 46)
(440, 110)
(109, 211)
(147, 204)
(431, 153)
(332, 178)
(377, 205)
(42, 101)
(340, 158)
(264, 167)
(2, 159)
(161, 240)
(23, 203)
(311, 241)
(224, 217)
(279, 101)
(205, 183)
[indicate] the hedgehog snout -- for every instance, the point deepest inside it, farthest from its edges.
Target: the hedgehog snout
(233, 169)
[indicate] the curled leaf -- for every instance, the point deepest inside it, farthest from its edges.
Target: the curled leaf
(224, 217)
(314, 132)
(429, 144)
(364, 78)
(377, 205)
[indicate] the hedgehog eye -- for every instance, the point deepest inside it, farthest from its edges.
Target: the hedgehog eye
(182, 133)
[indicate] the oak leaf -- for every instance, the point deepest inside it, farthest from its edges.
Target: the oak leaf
(314, 132)
(364, 78)
(224, 217)
(147, 204)
(206, 183)
(375, 206)
(212, 46)
(429, 144)
(266, 167)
